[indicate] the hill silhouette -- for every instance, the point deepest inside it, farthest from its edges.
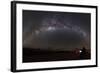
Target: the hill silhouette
(42, 55)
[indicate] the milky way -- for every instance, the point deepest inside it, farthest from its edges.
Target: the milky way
(56, 30)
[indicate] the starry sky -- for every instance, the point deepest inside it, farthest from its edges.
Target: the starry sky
(56, 30)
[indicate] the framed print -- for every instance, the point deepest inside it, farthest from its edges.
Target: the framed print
(47, 36)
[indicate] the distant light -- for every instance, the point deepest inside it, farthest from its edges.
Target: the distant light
(80, 51)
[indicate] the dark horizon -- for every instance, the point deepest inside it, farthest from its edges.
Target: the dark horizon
(42, 55)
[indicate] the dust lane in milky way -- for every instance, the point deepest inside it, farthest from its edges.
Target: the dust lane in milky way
(56, 30)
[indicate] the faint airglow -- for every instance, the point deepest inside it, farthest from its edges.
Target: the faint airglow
(64, 26)
(84, 34)
(36, 32)
(51, 28)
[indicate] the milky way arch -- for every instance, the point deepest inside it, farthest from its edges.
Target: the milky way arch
(56, 30)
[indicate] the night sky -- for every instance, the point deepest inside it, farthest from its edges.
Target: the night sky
(56, 30)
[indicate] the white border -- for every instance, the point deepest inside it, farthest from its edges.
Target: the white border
(37, 65)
